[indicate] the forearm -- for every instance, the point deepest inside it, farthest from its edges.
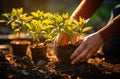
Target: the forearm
(86, 9)
(111, 30)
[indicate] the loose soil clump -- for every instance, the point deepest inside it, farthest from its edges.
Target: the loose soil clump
(14, 67)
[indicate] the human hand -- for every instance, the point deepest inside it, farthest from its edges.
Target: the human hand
(87, 48)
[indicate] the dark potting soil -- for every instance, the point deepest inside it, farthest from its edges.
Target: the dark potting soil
(14, 67)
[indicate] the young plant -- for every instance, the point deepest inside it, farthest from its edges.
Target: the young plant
(69, 30)
(68, 34)
(40, 27)
(17, 20)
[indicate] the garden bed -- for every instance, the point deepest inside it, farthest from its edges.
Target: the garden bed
(14, 67)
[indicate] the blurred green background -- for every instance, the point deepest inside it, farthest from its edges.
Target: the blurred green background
(99, 19)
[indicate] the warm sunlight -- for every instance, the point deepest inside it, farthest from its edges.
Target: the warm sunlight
(59, 39)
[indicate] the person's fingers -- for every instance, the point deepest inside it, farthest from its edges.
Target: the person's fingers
(78, 51)
(84, 54)
(91, 53)
(87, 48)
(80, 57)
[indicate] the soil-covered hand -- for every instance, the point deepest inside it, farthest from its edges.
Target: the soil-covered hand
(87, 48)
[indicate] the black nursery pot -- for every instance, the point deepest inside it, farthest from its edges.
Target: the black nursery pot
(19, 47)
(111, 50)
(38, 53)
(63, 53)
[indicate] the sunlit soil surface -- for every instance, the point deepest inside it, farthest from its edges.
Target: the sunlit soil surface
(13, 67)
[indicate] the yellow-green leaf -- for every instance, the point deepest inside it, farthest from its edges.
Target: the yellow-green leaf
(6, 15)
(75, 22)
(47, 21)
(14, 12)
(20, 11)
(47, 14)
(34, 14)
(2, 21)
(65, 15)
(86, 29)
(27, 18)
(69, 28)
(28, 25)
(69, 22)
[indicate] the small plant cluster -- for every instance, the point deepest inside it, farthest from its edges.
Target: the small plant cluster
(45, 26)
(16, 19)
